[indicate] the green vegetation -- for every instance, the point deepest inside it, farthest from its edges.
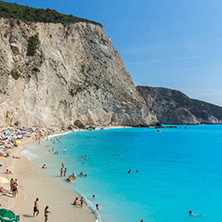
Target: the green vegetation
(26, 13)
(33, 43)
(15, 74)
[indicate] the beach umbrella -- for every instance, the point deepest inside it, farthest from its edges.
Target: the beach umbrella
(3, 180)
(8, 215)
(18, 142)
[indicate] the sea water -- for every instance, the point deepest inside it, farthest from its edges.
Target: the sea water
(179, 169)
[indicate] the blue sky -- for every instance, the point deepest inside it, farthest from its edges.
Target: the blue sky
(163, 43)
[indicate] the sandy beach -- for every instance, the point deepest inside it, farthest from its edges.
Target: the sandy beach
(49, 190)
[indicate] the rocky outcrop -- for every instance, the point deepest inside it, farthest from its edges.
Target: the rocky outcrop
(174, 107)
(54, 74)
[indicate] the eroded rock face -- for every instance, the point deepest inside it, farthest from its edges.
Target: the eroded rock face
(174, 107)
(53, 75)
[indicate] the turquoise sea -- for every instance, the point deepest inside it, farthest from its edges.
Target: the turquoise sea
(178, 170)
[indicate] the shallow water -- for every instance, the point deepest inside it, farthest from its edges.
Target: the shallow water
(179, 170)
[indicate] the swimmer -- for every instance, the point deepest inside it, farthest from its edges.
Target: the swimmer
(94, 196)
(85, 175)
(81, 174)
(137, 171)
(129, 171)
(44, 166)
(191, 214)
(98, 207)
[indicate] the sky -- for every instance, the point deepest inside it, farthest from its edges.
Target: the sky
(163, 43)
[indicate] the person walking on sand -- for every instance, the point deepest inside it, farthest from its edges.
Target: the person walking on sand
(46, 213)
(61, 171)
(36, 208)
(65, 172)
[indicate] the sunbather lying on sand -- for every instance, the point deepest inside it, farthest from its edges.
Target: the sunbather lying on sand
(3, 190)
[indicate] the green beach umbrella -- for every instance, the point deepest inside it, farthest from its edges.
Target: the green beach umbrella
(8, 216)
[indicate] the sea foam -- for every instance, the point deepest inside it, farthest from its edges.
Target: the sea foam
(29, 154)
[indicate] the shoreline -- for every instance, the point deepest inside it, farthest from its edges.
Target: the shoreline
(33, 185)
(27, 173)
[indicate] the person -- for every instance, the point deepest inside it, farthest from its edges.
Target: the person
(44, 166)
(142, 220)
(3, 190)
(191, 214)
(65, 172)
(61, 171)
(36, 209)
(81, 174)
(11, 184)
(81, 201)
(46, 213)
(8, 172)
(97, 207)
(76, 202)
(129, 171)
(137, 171)
(93, 196)
(85, 175)
(16, 184)
(62, 165)
(14, 190)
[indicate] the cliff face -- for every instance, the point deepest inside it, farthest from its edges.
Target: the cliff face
(53, 74)
(174, 107)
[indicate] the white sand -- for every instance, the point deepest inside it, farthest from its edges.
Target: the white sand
(49, 190)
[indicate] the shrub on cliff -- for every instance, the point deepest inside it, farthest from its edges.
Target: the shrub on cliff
(33, 43)
(26, 13)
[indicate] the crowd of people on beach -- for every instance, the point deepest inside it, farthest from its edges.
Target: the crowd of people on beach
(63, 169)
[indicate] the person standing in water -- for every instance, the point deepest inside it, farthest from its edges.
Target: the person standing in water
(61, 171)
(65, 172)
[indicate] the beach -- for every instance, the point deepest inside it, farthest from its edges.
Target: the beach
(33, 185)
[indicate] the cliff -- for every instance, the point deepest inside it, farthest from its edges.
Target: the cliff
(174, 107)
(53, 74)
